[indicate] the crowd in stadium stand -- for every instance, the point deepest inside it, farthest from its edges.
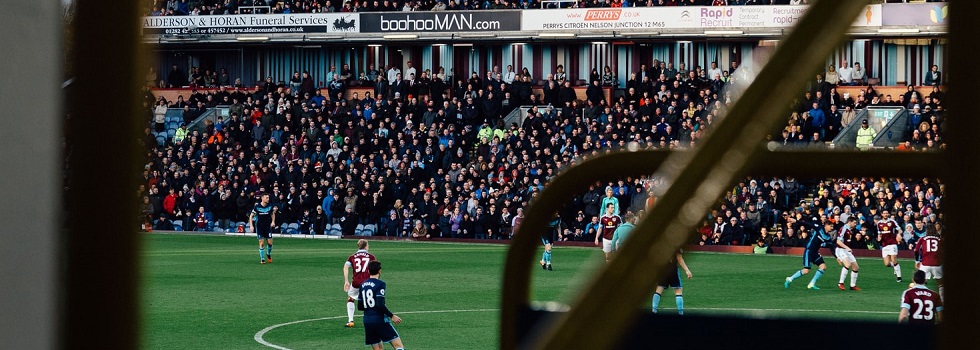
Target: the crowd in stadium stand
(229, 7)
(426, 158)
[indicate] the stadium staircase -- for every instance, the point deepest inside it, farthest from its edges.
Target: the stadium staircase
(890, 123)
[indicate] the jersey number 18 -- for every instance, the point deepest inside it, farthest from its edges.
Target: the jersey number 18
(367, 296)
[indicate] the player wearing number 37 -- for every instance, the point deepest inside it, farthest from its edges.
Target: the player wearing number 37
(359, 262)
(919, 304)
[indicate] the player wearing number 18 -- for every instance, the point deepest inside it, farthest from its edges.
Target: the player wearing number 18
(919, 304)
(377, 318)
(359, 262)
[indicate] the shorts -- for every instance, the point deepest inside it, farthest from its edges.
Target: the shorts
(812, 257)
(377, 333)
(354, 292)
(672, 280)
(263, 233)
(932, 272)
(547, 238)
(887, 250)
(607, 245)
(844, 256)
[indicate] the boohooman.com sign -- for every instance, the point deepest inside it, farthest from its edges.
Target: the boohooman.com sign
(466, 21)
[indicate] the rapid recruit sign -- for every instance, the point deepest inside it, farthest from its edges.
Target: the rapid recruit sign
(680, 17)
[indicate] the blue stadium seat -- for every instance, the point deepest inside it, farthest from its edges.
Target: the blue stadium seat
(371, 228)
(178, 225)
(161, 140)
(171, 133)
(292, 228)
(334, 230)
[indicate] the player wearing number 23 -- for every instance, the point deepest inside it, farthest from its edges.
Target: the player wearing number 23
(919, 304)
(377, 318)
(359, 262)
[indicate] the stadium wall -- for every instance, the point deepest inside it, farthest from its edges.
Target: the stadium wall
(894, 61)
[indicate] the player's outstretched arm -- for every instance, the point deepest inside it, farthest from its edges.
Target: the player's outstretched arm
(347, 268)
(903, 316)
(683, 265)
(251, 221)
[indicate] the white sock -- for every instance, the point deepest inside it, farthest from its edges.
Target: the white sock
(854, 279)
(898, 271)
(843, 275)
(350, 311)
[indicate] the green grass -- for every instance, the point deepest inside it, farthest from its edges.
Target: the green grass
(209, 292)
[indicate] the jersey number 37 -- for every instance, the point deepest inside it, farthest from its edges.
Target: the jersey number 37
(360, 264)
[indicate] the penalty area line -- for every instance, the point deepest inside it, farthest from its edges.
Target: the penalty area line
(261, 334)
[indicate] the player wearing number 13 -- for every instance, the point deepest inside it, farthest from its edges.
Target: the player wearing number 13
(929, 259)
(919, 304)
(377, 318)
(359, 262)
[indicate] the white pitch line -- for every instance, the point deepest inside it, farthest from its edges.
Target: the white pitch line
(790, 310)
(260, 334)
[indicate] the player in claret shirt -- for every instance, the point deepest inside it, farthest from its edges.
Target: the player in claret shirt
(929, 259)
(359, 262)
(919, 304)
(377, 318)
(888, 237)
(845, 243)
(609, 222)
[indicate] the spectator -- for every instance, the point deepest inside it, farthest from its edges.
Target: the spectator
(858, 75)
(933, 77)
(760, 247)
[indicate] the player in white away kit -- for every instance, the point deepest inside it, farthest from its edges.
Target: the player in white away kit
(359, 262)
(928, 258)
(845, 240)
(888, 236)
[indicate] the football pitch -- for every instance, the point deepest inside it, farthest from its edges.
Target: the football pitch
(210, 292)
